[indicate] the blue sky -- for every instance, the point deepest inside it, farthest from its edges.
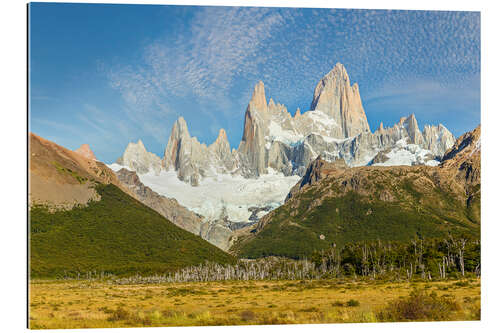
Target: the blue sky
(110, 74)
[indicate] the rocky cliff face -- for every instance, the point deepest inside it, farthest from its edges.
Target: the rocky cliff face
(252, 151)
(193, 160)
(86, 152)
(467, 147)
(437, 139)
(137, 158)
(335, 96)
(317, 170)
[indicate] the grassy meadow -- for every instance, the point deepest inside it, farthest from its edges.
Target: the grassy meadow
(103, 303)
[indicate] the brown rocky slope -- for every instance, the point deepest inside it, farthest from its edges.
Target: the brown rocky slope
(62, 178)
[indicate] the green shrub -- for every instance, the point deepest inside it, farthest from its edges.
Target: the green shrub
(419, 306)
(352, 302)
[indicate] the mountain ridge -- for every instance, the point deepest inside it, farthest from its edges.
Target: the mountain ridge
(335, 127)
(334, 204)
(105, 229)
(62, 178)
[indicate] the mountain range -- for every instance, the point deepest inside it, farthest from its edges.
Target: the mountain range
(334, 204)
(275, 150)
(294, 185)
(336, 127)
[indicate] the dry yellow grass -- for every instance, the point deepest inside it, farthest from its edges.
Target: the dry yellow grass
(85, 304)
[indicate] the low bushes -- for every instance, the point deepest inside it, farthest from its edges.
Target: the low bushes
(419, 306)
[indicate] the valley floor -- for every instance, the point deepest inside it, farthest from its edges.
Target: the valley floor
(88, 304)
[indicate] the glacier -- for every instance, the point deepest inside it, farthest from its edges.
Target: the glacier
(222, 195)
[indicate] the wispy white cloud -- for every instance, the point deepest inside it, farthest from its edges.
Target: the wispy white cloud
(221, 52)
(220, 44)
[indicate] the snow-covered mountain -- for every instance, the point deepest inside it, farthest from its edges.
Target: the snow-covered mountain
(223, 184)
(335, 127)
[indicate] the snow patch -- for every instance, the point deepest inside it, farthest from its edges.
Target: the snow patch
(224, 194)
(117, 167)
(320, 118)
(277, 133)
(335, 140)
(408, 154)
(432, 163)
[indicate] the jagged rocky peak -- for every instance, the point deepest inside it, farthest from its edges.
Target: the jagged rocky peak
(411, 125)
(335, 97)
(193, 160)
(222, 135)
(277, 109)
(405, 136)
(180, 128)
(179, 136)
(437, 139)
(224, 160)
(137, 158)
(258, 100)
(297, 113)
(85, 151)
(337, 73)
(251, 150)
(221, 144)
(335, 127)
